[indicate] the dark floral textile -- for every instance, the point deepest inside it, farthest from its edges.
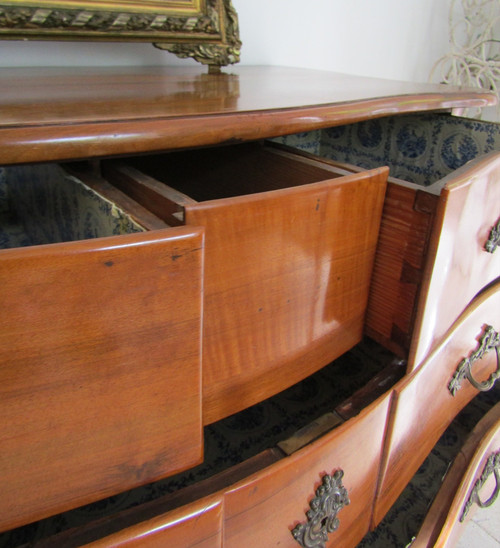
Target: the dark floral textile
(419, 148)
(42, 204)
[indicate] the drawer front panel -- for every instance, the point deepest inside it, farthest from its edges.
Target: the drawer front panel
(263, 510)
(459, 263)
(286, 285)
(428, 400)
(478, 490)
(197, 525)
(471, 485)
(100, 368)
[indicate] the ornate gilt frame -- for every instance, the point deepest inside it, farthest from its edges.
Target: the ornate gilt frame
(206, 30)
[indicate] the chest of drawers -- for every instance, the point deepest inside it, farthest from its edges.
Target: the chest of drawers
(171, 277)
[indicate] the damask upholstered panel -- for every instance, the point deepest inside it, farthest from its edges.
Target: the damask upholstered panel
(43, 204)
(421, 149)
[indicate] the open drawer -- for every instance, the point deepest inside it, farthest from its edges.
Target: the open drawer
(441, 220)
(99, 365)
(289, 250)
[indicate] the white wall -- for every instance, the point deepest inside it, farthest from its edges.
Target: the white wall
(399, 39)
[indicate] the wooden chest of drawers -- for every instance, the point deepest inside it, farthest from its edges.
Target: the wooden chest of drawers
(250, 267)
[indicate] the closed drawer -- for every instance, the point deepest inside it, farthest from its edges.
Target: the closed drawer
(289, 252)
(333, 480)
(462, 257)
(427, 400)
(471, 485)
(100, 366)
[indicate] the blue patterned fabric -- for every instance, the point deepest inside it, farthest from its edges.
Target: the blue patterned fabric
(419, 148)
(308, 141)
(42, 204)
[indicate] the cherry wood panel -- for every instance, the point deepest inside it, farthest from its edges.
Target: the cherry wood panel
(458, 265)
(198, 526)
(443, 524)
(403, 243)
(100, 353)
(287, 274)
(56, 114)
(265, 508)
(163, 520)
(424, 406)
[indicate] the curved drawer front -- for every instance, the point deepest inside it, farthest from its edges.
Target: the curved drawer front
(339, 471)
(290, 244)
(429, 399)
(471, 485)
(463, 255)
(286, 286)
(100, 368)
(320, 495)
(198, 525)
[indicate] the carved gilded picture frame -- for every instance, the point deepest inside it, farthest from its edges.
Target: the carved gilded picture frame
(206, 30)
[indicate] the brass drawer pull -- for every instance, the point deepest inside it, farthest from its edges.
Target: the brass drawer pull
(492, 466)
(494, 239)
(489, 341)
(331, 497)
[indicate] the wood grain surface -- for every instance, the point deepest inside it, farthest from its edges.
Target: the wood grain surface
(458, 265)
(407, 220)
(55, 114)
(287, 274)
(424, 406)
(198, 526)
(100, 353)
(263, 510)
(442, 525)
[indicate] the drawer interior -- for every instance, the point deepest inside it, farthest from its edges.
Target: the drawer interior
(222, 172)
(166, 183)
(418, 148)
(43, 204)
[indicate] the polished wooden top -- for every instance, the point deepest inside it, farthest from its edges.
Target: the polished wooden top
(67, 113)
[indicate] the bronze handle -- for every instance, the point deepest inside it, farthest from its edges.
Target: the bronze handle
(492, 466)
(494, 240)
(331, 497)
(489, 341)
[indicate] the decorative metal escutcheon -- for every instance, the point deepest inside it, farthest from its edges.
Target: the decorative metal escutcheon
(492, 466)
(331, 497)
(488, 342)
(494, 240)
